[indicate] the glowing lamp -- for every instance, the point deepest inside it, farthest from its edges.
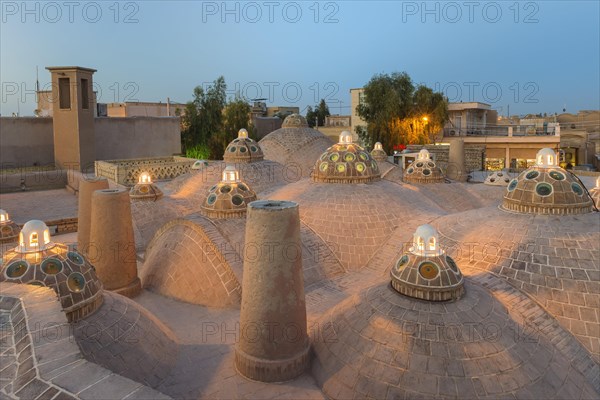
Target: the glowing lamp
(345, 137)
(4, 217)
(242, 133)
(598, 182)
(423, 154)
(425, 119)
(546, 158)
(34, 237)
(231, 175)
(426, 241)
(378, 146)
(144, 178)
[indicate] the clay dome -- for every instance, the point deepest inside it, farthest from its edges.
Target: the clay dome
(199, 164)
(497, 178)
(425, 271)
(295, 145)
(243, 149)
(346, 162)
(423, 170)
(378, 153)
(228, 198)
(9, 231)
(380, 345)
(546, 188)
(39, 261)
(145, 189)
(294, 121)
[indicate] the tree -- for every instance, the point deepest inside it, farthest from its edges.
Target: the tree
(318, 114)
(202, 121)
(396, 113)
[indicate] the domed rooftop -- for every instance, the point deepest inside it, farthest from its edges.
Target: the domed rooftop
(497, 178)
(294, 121)
(145, 189)
(346, 162)
(295, 145)
(380, 345)
(243, 149)
(39, 261)
(199, 164)
(378, 153)
(228, 198)
(423, 170)
(546, 188)
(9, 231)
(595, 193)
(425, 271)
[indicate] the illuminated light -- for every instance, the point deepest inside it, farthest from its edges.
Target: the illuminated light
(34, 237)
(378, 146)
(242, 133)
(231, 175)
(4, 216)
(345, 137)
(425, 119)
(423, 155)
(546, 158)
(426, 241)
(144, 178)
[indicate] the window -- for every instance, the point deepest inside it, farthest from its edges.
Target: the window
(85, 98)
(64, 93)
(33, 239)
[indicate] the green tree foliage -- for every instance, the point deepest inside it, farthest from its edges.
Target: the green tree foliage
(317, 114)
(398, 113)
(209, 122)
(202, 121)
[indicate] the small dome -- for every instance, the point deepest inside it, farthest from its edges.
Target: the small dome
(426, 272)
(9, 231)
(346, 162)
(229, 198)
(423, 170)
(243, 149)
(294, 121)
(546, 158)
(38, 261)
(378, 153)
(497, 178)
(423, 155)
(199, 164)
(145, 189)
(546, 189)
(34, 237)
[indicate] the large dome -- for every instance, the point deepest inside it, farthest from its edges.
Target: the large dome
(39, 261)
(346, 162)
(425, 271)
(382, 345)
(295, 145)
(423, 170)
(243, 149)
(546, 188)
(228, 198)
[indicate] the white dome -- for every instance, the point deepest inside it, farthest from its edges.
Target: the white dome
(4, 217)
(426, 241)
(345, 137)
(546, 158)
(230, 174)
(242, 133)
(378, 146)
(35, 236)
(423, 154)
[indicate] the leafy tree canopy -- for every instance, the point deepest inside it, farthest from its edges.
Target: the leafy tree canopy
(397, 112)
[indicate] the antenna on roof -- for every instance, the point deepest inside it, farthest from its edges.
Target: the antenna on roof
(37, 80)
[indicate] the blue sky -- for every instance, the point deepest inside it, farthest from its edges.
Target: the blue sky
(531, 56)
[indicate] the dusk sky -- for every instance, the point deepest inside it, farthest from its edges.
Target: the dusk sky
(535, 57)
